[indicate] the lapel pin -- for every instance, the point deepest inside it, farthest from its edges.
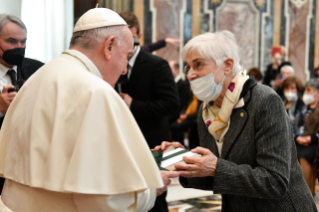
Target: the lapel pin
(241, 114)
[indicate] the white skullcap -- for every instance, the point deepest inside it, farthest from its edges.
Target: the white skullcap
(98, 17)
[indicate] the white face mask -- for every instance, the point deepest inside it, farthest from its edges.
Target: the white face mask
(205, 88)
(290, 96)
(308, 99)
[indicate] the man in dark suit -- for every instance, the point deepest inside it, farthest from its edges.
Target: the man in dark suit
(150, 92)
(14, 68)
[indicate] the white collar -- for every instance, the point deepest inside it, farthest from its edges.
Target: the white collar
(87, 60)
(177, 78)
(4, 70)
(131, 62)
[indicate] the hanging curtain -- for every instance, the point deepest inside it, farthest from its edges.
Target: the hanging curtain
(50, 25)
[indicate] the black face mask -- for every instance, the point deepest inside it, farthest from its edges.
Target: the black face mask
(13, 56)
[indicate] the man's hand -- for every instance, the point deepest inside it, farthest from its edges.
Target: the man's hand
(198, 166)
(6, 98)
(165, 176)
(166, 144)
(172, 41)
(127, 99)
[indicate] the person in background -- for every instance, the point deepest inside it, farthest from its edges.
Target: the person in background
(285, 72)
(278, 60)
(150, 93)
(307, 129)
(255, 72)
(292, 89)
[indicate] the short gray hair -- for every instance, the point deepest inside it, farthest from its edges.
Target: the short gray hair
(90, 39)
(215, 46)
(291, 69)
(4, 18)
(313, 83)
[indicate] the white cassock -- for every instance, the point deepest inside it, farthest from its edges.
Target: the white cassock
(69, 143)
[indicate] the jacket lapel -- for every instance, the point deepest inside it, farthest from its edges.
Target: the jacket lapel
(238, 120)
(138, 67)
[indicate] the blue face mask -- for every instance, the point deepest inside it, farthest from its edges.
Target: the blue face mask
(206, 89)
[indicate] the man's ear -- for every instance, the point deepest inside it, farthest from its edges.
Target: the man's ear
(109, 45)
(229, 64)
(139, 36)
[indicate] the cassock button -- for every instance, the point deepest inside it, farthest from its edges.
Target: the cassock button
(241, 114)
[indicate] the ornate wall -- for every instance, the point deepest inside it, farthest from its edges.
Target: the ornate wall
(257, 25)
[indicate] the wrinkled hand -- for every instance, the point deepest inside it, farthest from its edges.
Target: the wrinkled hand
(172, 41)
(304, 140)
(6, 98)
(127, 99)
(198, 166)
(166, 144)
(165, 176)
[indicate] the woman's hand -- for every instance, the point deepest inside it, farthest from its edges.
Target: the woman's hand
(166, 144)
(198, 166)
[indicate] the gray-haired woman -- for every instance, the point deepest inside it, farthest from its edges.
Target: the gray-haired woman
(247, 146)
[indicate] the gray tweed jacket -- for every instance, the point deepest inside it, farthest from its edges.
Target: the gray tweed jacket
(258, 169)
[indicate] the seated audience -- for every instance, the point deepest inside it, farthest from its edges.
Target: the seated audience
(292, 88)
(307, 129)
(255, 72)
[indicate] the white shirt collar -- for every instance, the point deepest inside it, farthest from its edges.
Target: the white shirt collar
(177, 78)
(4, 70)
(131, 62)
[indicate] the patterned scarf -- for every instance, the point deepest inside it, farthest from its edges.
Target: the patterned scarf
(216, 119)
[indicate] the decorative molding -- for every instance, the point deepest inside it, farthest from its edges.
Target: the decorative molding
(181, 32)
(195, 17)
(139, 12)
(299, 3)
(316, 60)
(277, 21)
(309, 17)
(263, 26)
(154, 14)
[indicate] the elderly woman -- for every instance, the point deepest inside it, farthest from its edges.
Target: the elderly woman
(247, 145)
(292, 88)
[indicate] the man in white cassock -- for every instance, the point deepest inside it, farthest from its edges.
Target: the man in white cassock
(68, 142)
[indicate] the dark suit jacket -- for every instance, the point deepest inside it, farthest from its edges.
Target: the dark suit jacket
(28, 67)
(258, 169)
(154, 93)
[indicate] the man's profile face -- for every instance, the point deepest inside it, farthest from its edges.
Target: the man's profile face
(11, 36)
(121, 55)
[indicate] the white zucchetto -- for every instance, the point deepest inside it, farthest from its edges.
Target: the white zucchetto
(98, 17)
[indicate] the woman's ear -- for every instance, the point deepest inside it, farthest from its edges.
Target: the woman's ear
(108, 48)
(229, 64)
